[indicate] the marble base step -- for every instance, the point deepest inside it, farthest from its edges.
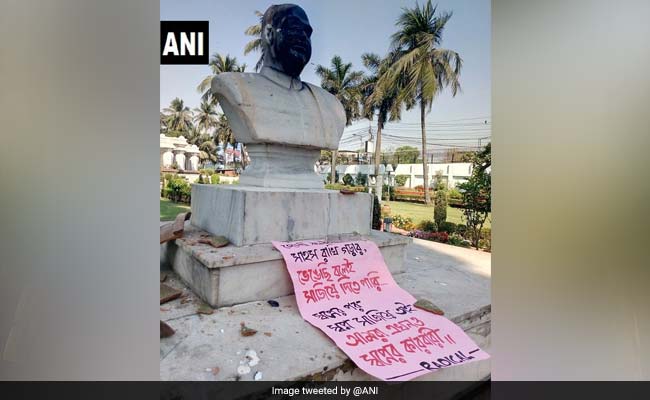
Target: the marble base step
(239, 274)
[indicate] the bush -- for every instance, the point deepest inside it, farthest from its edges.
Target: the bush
(419, 188)
(400, 180)
(440, 207)
(457, 240)
(376, 214)
(348, 180)
(214, 179)
(178, 189)
(339, 186)
(461, 230)
(448, 227)
(361, 180)
(441, 237)
(428, 226)
(454, 194)
(405, 223)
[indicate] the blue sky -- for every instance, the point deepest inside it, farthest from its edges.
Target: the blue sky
(349, 28)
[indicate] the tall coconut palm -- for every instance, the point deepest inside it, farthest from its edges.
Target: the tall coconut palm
(223, 132)
(179, 116)
(424, 67)
(256, 43)
(205, 116)
(384, 102)
(218, 64)
(344, 83)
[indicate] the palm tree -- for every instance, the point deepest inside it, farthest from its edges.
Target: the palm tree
(205, 116)
(385, 103)
(223, 132)
(218, 64)
(256, 43)
(343, 83)
(424, 68)
(179, 117)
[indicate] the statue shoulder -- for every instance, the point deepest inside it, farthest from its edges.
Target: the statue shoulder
(328, 99)
(232, 85)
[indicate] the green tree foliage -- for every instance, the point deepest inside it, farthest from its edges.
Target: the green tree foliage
(255, 44)
(477, 194)
(405, 155)
(178, 116)
(422, 68)
(400, 180)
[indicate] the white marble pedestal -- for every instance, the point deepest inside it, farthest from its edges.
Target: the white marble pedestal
(250, 215)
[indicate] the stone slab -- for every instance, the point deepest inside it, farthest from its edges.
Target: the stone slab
(238, 274)
(251, 215)
(296, 350)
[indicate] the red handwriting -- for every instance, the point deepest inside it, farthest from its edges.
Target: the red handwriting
(383, 356)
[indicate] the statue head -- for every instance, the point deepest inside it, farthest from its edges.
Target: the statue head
(286, 38)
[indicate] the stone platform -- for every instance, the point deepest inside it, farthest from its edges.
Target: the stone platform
(250, 215)
(239, 274)
(210, 347)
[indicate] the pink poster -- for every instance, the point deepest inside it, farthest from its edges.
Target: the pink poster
(346, 290)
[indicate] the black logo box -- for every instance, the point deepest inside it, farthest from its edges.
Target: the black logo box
(177, 29)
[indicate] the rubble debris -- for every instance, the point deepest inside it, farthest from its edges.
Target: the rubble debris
(165, 330)
(273, 303)
(252, 357)
(204, 309)
(428, 306)
(246, 331)
(215, 241)
(269, 334)
(168, 293)
(174, 230)
(243, 369)
(214, 370)
(258, 376)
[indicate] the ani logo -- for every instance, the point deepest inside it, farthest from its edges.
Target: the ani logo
(184, 42)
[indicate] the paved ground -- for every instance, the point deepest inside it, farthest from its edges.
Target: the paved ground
(209, 347)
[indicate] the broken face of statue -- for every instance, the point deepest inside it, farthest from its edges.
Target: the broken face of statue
(291, 40)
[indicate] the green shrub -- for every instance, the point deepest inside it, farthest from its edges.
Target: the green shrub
(454, 194)
(400, 180)
(376, 214)
(178, 189)
(461, 229)
(348, 180)
(440, 207)
(427, 226)
(361, 179)
(448, 227)
(405, 223)
(457, 240)
(214, 179)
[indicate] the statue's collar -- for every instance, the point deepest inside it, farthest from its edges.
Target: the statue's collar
(281, 78)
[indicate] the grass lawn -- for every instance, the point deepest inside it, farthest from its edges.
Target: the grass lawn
(169, 209)
(420, 212)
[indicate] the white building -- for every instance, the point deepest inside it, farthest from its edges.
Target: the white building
(453, 173)
(177, 150)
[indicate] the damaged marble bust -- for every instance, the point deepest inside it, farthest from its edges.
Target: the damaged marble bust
(284, 121)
